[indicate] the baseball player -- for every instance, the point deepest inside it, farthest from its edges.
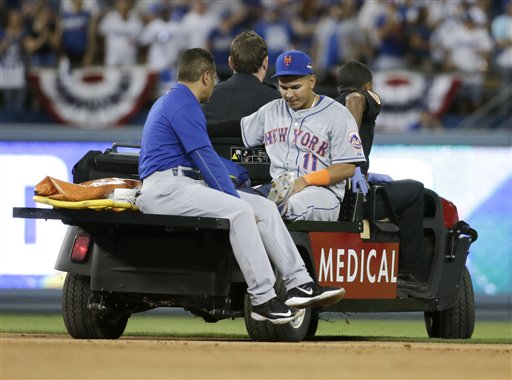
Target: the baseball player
(310, 136)
(355, 87)
(183, 175)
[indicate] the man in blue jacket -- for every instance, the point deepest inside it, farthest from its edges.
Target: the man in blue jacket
(183, 175)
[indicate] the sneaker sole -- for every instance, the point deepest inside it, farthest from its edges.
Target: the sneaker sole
(409, 293)
(325, 299)
(278, 321)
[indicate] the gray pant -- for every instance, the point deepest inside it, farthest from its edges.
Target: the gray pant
(257, 233)
(313, 203)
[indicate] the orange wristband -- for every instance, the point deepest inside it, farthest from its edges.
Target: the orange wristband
(319, 178)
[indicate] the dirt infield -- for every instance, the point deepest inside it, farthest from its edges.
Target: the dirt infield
(40, 356)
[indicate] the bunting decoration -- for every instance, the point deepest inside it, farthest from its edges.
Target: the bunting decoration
(96, 97)
(406, 94)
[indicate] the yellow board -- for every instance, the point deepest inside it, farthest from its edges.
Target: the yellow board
(95, 204)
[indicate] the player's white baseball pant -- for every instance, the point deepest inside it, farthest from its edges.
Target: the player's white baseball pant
(257, 231)
(313, 203)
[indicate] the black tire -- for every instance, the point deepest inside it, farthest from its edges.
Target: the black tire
(313, 323)
(458, 321)
(294, 331)
(80, 322)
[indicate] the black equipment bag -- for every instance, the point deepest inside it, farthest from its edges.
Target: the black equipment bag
(113, 162)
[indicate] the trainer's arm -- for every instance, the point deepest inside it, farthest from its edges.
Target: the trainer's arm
(356, 104)
(213, 170)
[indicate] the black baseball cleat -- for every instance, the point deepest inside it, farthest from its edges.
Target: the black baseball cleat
(275, 312)
(408, 286)
(311, 294)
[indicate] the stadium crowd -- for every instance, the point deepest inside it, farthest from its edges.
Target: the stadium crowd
(472, 38)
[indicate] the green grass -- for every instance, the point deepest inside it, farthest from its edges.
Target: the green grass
(358, 328)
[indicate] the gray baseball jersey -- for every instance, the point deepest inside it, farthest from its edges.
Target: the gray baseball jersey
(306, 140)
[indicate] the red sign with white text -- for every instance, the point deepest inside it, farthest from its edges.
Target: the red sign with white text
(365, 269)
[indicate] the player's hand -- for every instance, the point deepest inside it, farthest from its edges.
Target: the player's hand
(298, 185)
(359, 183)
(376, 178)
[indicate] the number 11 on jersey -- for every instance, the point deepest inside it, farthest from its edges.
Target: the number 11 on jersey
(306, 164)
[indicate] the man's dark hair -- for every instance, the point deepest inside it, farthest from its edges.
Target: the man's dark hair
(193, 63)
(248, 50)
(353, 74)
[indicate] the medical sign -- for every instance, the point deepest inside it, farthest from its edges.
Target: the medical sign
(365, 269)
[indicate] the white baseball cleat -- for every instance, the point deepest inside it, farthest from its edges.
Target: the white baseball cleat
(311, 294)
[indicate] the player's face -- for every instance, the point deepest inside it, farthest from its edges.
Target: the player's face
(298, 91)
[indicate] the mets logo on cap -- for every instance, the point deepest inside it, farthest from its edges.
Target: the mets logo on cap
(293, 62)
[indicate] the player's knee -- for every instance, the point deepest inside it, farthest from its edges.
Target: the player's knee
(296, 209)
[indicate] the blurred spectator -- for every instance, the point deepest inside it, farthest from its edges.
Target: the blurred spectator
(276, 31)
(444, 16)
(304, 21)
(478, 9)
(40, 41)
(338, 38)
(237, 9)
(76, 34)
(180, 8)
(502, 33)
(121, 29)
(4, 13)
(418, 33)
(90, 6)
(468, 51)
(368, 14)
(442, 10)
(219, 42)
(353, 43)
(324, 50)
(251, 14)
(165, 39)
(392, 44)
(198, 23)
(386, 34)
(12, 62)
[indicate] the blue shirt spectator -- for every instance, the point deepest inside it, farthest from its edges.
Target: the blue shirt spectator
(276, 31)
(393, 44)
(75, 32)
(219, 43)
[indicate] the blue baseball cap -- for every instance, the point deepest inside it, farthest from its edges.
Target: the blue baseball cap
(294, 62)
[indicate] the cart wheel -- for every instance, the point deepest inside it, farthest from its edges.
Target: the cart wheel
(458, 321)
(295, 331)
(82, 323)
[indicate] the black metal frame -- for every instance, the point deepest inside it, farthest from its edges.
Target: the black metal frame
(76, 217)
(176, 257)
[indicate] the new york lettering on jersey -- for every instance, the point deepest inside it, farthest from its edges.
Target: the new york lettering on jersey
(306, 139)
